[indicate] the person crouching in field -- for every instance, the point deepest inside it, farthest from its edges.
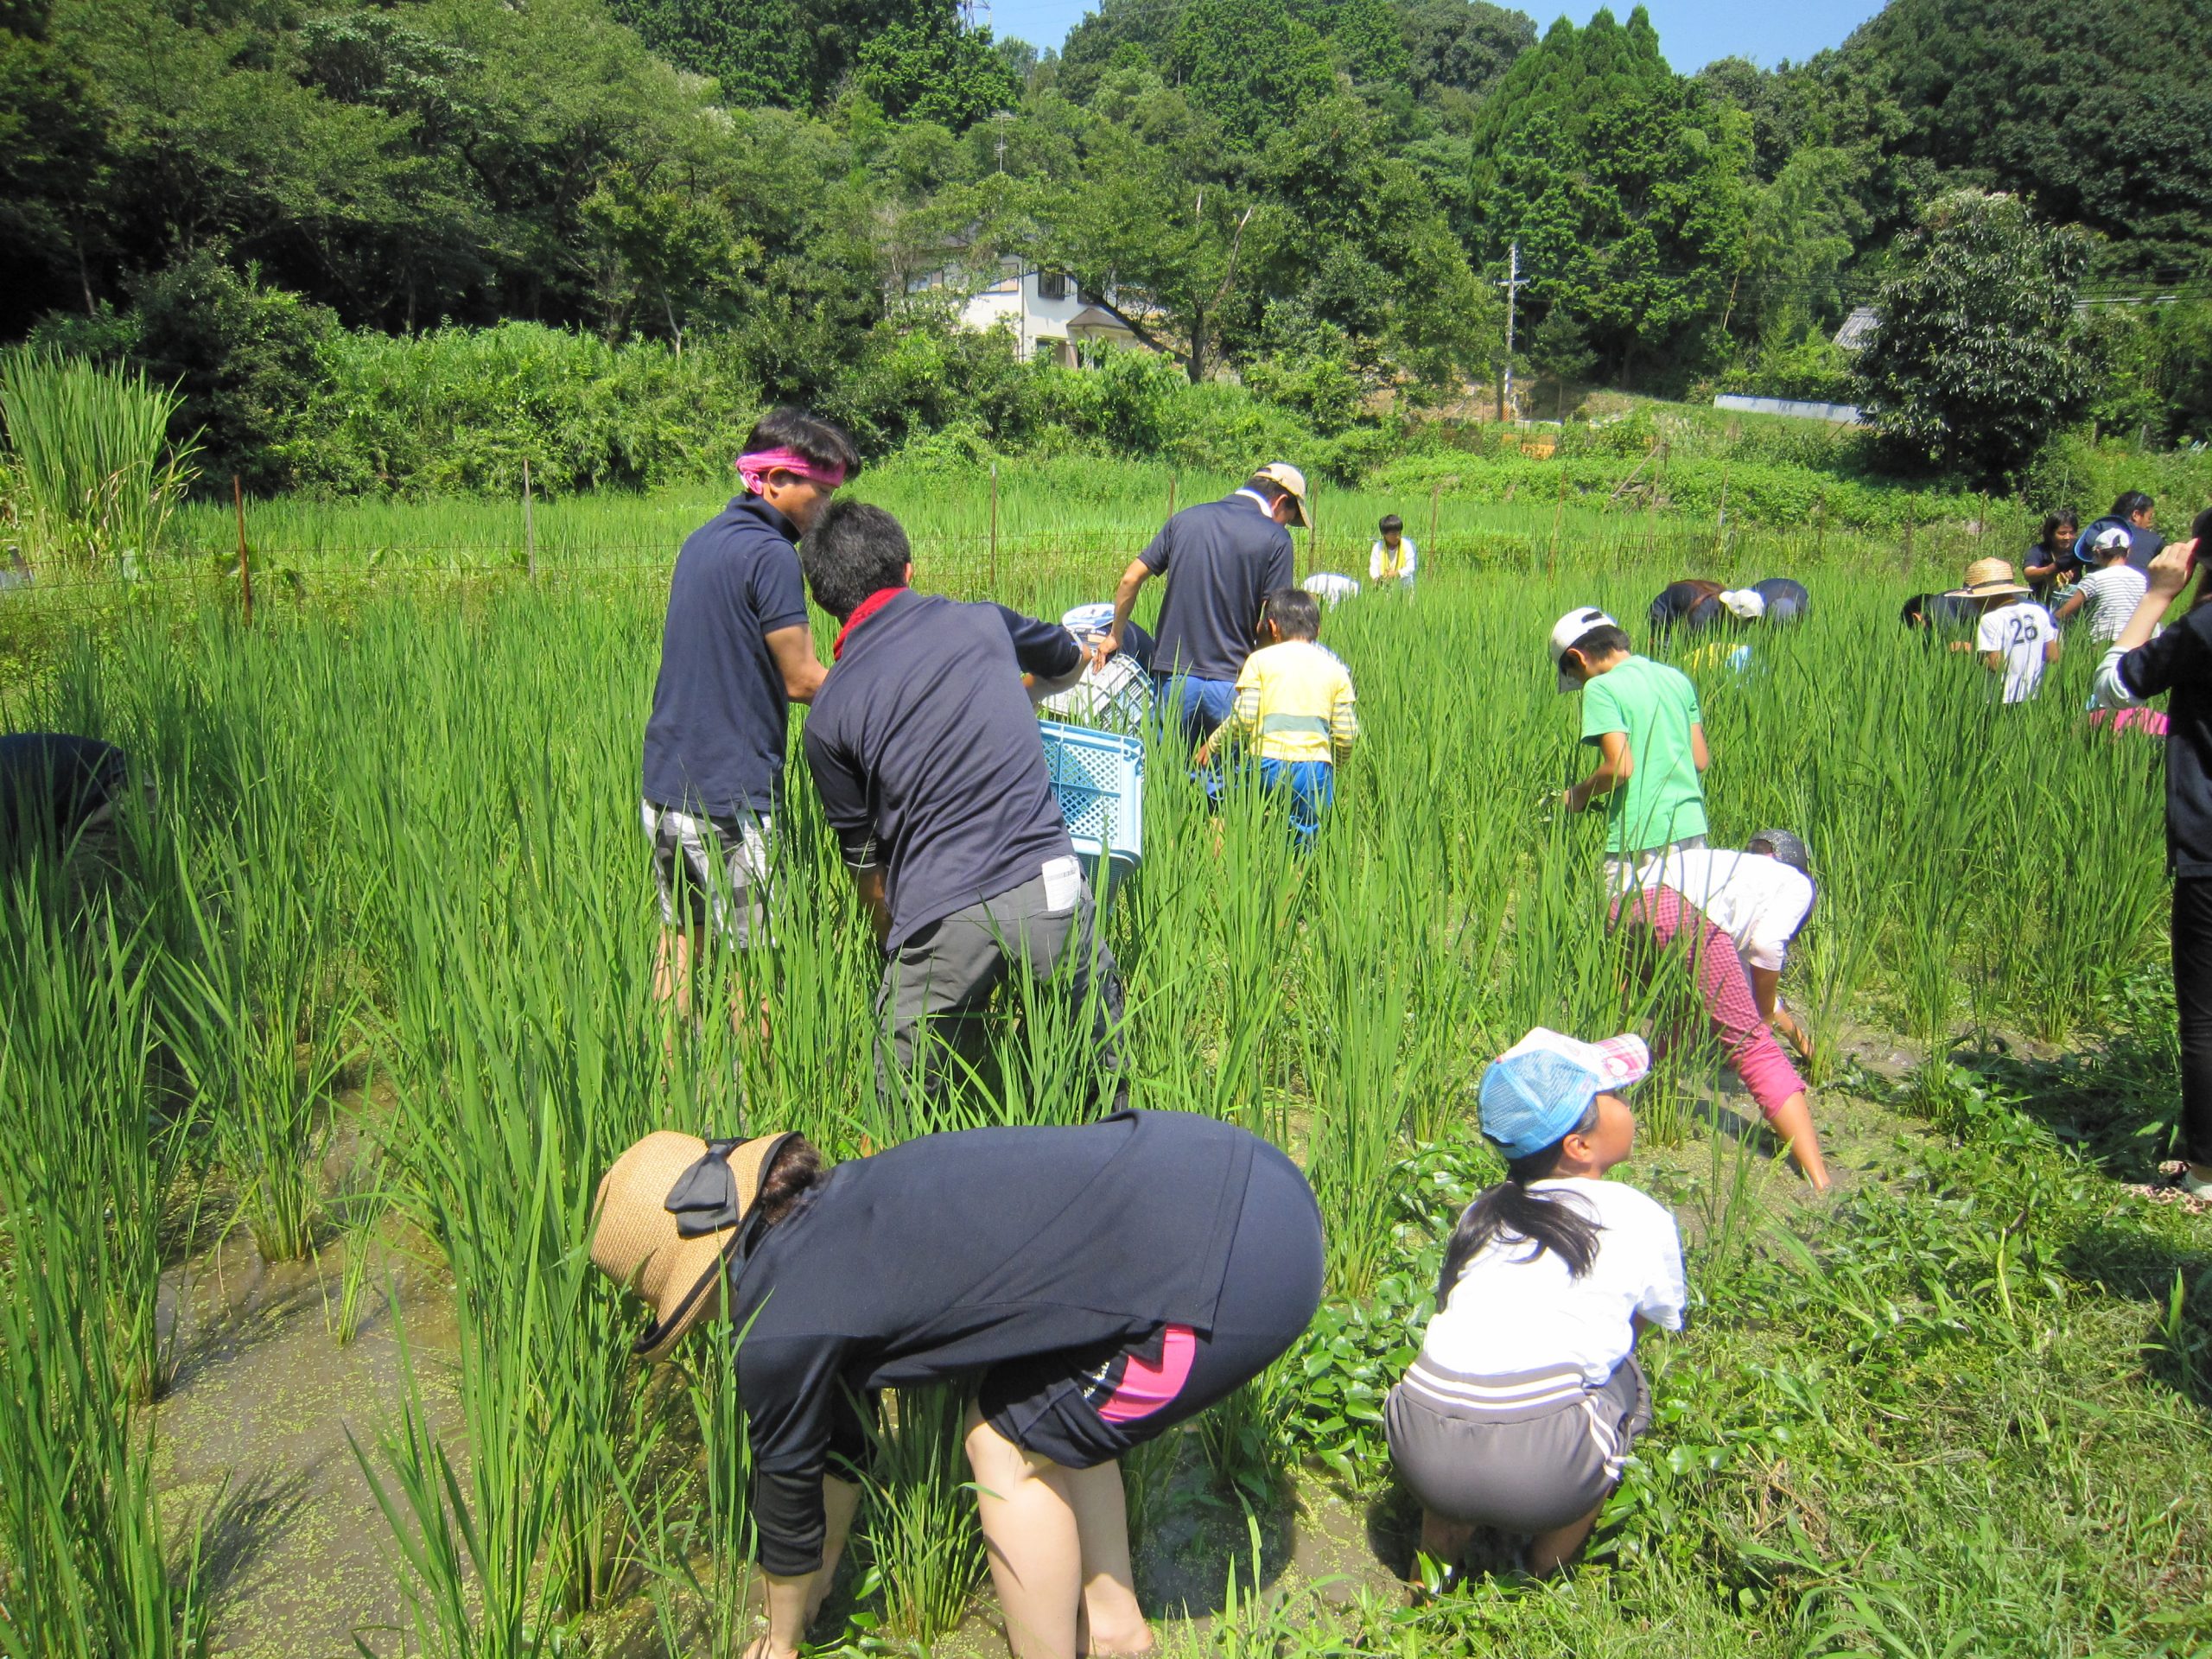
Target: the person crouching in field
(924, 749)
(1101, 1284)
(736, 651)
(1526, 1397)
(1394, 558)
(1735, 914)
(2016, 638)
(1643, 717)
(1295, 707)
(2110, 592)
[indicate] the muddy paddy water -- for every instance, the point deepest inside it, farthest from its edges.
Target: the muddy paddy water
(253, 1442)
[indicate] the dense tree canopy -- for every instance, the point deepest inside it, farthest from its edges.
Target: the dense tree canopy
(1975, 361)
(1622, 184)
(1318, 195)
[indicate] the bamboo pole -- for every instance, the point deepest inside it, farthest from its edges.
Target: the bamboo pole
(1558, 511)
(994, 530)
(529, 522)
(1434, 495)
(245, 570)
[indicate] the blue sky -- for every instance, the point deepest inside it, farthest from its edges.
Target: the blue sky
(1691, 32)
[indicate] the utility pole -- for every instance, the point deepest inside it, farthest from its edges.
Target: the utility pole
(1512, 285)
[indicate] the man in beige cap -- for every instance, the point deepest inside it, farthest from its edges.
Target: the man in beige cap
(2016, 638)
(1221, 559)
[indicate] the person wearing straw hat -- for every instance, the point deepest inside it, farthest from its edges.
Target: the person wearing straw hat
(1221, 559)
(1526, 1399)
(1103, 1283)
(2015, 636)
(736, 651)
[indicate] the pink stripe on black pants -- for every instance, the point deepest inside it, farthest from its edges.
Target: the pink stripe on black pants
(1724, 988)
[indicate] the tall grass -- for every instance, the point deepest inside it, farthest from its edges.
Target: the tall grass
(92, 465)
(411, 826)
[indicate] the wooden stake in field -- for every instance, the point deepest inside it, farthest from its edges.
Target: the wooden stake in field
(994, 530)
(1558, 511)
(1720, 524)
(529, 522)
(245, 571)
(1820, 525)
(1904, 566)
(1171, 494)
(1434, 495)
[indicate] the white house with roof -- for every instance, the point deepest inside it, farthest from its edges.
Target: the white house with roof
(1047, 314)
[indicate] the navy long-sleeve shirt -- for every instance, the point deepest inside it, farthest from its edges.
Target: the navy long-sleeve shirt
(954, 1253)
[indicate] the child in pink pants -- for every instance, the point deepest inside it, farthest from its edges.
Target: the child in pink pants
(1736, 913)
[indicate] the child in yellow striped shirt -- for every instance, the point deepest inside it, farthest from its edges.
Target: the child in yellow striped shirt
(1296, 710)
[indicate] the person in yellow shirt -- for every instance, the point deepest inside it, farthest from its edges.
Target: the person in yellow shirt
(1294, 709)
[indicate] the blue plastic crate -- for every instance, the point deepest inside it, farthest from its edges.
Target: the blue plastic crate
(1098, 778)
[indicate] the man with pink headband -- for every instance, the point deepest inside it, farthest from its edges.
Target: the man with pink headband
(736, 652)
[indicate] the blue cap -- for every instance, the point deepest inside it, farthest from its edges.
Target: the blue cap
(1539, 1088)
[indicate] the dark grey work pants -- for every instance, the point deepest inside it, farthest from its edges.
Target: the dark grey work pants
(930, 1008)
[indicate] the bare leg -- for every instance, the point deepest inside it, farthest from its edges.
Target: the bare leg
(672, 968)
(1114, 1622)
(1443, 1539)
(1793, 1121)
(1031, 1533)
(1550, 1551)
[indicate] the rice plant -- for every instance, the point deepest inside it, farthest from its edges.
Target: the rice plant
(925, 1547)
(94, 464)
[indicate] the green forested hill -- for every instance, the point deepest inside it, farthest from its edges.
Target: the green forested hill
(1320, 195)
(2098, 111)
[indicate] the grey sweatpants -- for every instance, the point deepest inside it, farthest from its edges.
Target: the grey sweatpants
(1517, 1470)
(930, 1008)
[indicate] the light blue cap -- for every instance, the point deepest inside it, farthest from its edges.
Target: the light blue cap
(1539, 1088)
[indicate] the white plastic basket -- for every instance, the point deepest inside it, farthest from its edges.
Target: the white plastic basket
(1098, 778)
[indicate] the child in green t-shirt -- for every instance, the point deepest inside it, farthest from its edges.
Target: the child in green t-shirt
(1644, 717)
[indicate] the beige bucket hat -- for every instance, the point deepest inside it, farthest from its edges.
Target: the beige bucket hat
(671, 1216)
(1985, 578)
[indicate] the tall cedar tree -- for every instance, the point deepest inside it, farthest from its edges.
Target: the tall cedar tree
(1625, 186)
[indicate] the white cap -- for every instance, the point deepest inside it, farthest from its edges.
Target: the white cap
(2111, 540)
(1745, 603)
(1570, 628)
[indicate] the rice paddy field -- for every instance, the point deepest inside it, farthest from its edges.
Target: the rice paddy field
(301, 1116)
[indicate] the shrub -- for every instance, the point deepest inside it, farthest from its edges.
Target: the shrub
(459, 410)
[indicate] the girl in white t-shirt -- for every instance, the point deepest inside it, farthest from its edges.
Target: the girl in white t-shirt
(1736, 915)
(1522, 1408)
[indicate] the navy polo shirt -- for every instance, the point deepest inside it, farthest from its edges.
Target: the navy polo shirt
(924, 747)
(1221, 560)
(714, 742)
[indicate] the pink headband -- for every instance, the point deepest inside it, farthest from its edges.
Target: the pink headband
(755, 468)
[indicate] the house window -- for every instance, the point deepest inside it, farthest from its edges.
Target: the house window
(1052, 285)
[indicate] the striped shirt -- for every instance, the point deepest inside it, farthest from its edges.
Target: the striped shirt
(1295, 701)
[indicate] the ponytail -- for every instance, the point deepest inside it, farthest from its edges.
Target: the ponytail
(1510, 1211)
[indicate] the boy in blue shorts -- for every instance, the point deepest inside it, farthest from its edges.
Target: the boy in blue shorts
(1295, 707)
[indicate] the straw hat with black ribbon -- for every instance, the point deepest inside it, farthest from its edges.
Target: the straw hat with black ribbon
(1987, 579)
(671, 1219)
